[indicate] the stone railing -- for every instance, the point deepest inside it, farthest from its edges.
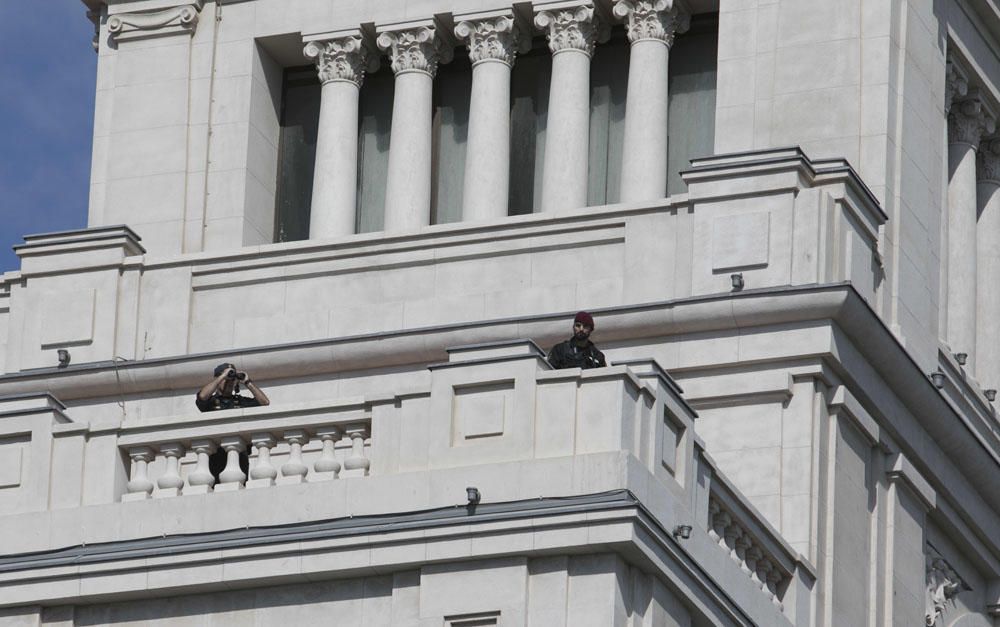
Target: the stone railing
(310, 442)
(749, 541)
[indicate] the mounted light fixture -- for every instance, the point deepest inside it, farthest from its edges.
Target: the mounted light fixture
(990, 394)
(938, 379)
(64, 357)
(737, 279)
(682, 531)
(961, 358)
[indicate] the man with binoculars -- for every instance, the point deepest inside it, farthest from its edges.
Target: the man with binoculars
(222, 392)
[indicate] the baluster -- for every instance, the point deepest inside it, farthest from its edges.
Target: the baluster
(773, 581)
(742, 544)
(170, 483)
(327, 466)
(713, 513)
(139, 486)
(200, 480)
(754, 555)
(294, 471)
(357, 465)
(732, 535)
(232, 476)
(764, 568)
(263, 473)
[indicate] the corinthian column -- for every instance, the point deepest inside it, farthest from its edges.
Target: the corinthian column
(414, 49)
(967, 122)
(651, 26)
(492, 39)
(571, 29)
(341, 60)
(988, 258)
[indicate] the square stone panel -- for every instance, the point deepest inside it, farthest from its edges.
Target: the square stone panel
(480, 411)
(740, 240)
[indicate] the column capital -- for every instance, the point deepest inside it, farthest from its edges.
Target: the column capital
(341, 55)
(956, 83)
(416, 46)
(988, 161)
(492, 36)
(149, 19)
(970, 119)
(571, 26)
(657, 20)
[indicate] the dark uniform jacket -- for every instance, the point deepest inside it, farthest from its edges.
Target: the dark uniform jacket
(219, 401)
(568, 355)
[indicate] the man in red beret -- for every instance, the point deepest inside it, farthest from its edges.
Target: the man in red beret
(578, 351)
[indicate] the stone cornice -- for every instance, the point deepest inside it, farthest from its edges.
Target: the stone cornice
(656, 20)
(414, 46)
(341, 56)
(491, 37)
(571, 27)
(154, 19)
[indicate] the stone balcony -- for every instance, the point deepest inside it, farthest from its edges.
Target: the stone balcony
(775, 218)
(564, 460)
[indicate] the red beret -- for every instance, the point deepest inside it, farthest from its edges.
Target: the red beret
(585, 318)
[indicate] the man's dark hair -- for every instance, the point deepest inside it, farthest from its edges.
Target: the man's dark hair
(222, 368)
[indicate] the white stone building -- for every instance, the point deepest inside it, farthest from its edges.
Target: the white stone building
(382, 210)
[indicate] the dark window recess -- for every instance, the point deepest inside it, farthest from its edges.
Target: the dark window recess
(296, 153)
(450, 130)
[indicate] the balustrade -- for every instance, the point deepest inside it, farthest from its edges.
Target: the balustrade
(312, 454)
(746, 551)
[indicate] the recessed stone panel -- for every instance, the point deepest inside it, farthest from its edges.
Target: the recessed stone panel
(11, 460)
(480, 411)
(67, 317)
(740, 240)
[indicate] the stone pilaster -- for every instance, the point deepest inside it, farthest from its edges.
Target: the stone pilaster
(493, 39)
(414, 50)
(651, 25)
(341, 59)
(572, 30)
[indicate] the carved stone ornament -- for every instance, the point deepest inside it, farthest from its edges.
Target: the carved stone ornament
(658, 20)
(968, 121)
(490, 39)
(576, 28)
(182, 18)
(988, 161)
(341, 59)
(943, 585)
(414, 49)
(956, 84)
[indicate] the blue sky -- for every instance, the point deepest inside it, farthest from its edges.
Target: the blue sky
(47, 76)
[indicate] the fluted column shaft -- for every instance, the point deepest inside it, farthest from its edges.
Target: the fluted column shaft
(651, 25)
(571, 33)
(966, 124)
(492, 40)
(340, 61)
(988, 260)
(414, 52)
